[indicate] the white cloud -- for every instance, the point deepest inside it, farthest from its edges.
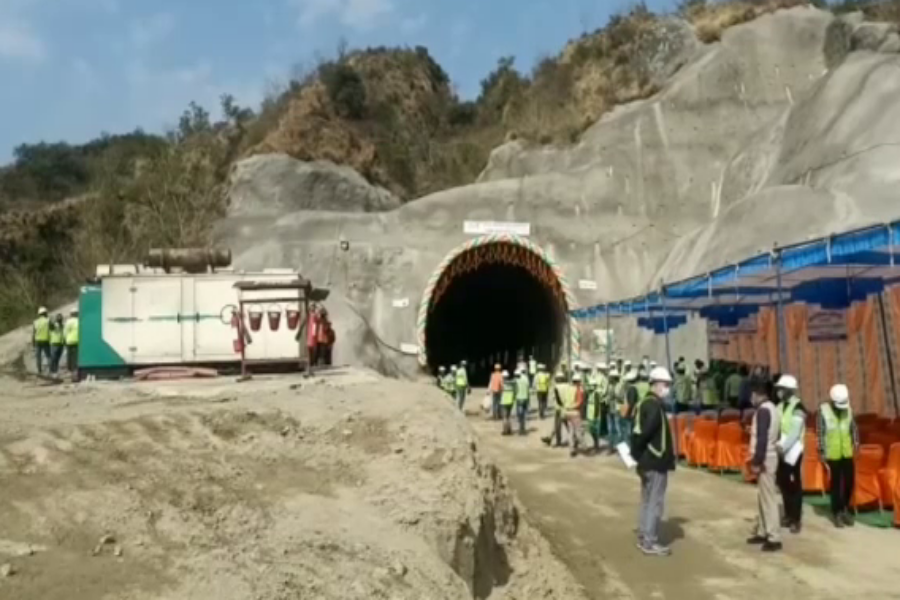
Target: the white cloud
(18, 41)
(357, 14)
(152, 30)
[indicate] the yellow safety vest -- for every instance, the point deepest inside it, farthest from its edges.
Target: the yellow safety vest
(657, 452)
(838, 440)
(787, 414)
(42, 329)
(601, 385)
(71, 331)
(643, 388)
(56, 336)
(566, 393)
(542, 382)
(522, 391)
(509, 394)
(462, 381)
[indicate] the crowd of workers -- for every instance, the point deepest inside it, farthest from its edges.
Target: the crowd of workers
(628, 405)
(53, 336)
(320, 336)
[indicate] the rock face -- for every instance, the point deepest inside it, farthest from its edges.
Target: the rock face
(272, 184)
(756, 140)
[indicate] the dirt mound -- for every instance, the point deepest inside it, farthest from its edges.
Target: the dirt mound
(348, 487)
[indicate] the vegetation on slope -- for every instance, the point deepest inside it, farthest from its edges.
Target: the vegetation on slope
(392, 114)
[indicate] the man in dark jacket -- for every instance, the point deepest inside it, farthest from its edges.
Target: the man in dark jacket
(651, 448)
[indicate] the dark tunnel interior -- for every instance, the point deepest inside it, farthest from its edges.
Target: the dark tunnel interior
(494, 314)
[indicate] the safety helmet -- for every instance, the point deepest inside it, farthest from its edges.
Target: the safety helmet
(631, 375)
(462, 363)
(560, 375)
(840, 395)
(452, 367)
(576, 378)
(660, 374)
(42, 311)
(505, 374)
(441, 369)
(541, 366)
(601, 366)
(787, 382)
(614, 372)
(653, 364)
(627, 363)
(73, 312)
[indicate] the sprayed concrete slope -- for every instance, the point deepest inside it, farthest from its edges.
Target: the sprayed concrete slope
(756, 140)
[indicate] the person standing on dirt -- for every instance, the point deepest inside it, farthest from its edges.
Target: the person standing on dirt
(532, 370)
(560, 393)
(838, 442)
(523, 395)
(651, 448)
(324, 338)
(764, 435)
(542, 389)
(615, 402)
(312, 335)
(495, 387)
(40, 339)
(574, 402)
(462, 386)
(507, 400)
(70, 333)
(56, 343)
(792, 432)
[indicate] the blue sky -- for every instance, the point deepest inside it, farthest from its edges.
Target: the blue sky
(70, 69)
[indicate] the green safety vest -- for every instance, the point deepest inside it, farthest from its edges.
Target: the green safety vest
(838, 440)
(509, 394)
(462, 380)
(643, 388)
(601, 385)
(532, 366)
(657, 452)
(566, 393)
(522, 390)
(787, 414)
(448, 382)
(593, 406)
(71, 331)
(619, 393)
(684, 389)
(42, 329)
(542, 382)
(710, 393)
(56, 336)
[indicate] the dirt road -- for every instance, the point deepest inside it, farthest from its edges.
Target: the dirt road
(587, 508)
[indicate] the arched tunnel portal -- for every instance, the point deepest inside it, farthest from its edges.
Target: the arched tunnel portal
(495, 299)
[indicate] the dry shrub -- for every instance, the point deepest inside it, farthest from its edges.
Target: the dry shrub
(711, 19)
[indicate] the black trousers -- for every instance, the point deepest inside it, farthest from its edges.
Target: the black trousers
(842, 481)
(790, 483)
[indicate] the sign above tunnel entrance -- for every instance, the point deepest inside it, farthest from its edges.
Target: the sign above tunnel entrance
(496, 227)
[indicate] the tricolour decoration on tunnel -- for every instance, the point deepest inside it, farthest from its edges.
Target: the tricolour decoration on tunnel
(534, 258)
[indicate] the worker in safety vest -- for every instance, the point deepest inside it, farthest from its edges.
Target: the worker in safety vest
(709, 393)
(629, 399)
(70, 333)
(838, 442)
(600, 392)
(462, 386)
(495, 387)
(439, 380)
(651, 448)
(763, 451)
(560, 397)
(574, 403)
(614, 398)
(450, 381)
(532, 370)
(542, 389)
(683, 389)
(523, 396)
(792, 431)
(56, 343)
(507, 400)
(40, 339)
(593, 412)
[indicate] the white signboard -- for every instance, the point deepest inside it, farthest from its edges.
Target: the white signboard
(586, 284)
(401, 302)
(409, 348)
(493, 227)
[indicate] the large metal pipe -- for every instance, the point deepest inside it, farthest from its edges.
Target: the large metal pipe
(191, 260)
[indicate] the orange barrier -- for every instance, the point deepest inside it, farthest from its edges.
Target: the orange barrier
(889, 476)
(703, 442)
(727, 456)
(679, 429)
(729, 415)
(814, 473)
(687, 434)
(867, 490)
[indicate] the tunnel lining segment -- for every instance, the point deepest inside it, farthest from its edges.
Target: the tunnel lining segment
(437, 284)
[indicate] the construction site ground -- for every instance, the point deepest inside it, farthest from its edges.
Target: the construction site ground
(587, 508)
(352, 486)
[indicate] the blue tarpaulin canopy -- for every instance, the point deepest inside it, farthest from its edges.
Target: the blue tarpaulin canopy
(832, 272)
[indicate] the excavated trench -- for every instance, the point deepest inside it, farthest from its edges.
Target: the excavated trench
(496, 312)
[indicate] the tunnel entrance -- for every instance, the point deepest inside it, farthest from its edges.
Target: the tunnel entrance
(497, 302)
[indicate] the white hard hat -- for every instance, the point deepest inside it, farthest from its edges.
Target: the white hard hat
(660, 374)
(42, 310)
(560, 375)
(614, 372)
(542, 366)
(576, 378)
(652, 363)
(840, 395)
(441, 369)
(787, 382)
(505, 374)
(73, 312)
(463, 363)
(601, 366)
(631, 375)
(627, 363)
(452, 367)
(577, 365)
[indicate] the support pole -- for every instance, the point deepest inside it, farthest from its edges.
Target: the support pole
(780, 328)
(568, 346)
(608, 339)
(662, 296)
